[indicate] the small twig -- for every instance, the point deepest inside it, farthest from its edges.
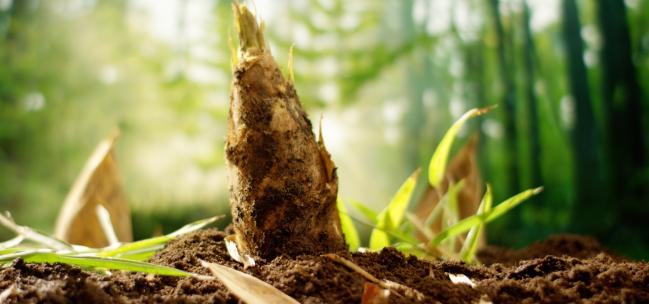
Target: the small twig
(398, 289)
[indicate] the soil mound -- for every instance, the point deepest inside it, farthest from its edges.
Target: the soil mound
(573, 275)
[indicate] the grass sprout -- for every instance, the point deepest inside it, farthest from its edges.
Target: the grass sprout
(387, 226)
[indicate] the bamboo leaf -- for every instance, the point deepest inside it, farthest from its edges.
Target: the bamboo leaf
(390, 218)
(246, 287)
(136, 247)
(470, 246)
(367, 212)
(349, 230)
(502, 208)
(438, 161)
(36, 256)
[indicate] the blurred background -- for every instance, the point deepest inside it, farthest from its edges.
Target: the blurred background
(571, 79)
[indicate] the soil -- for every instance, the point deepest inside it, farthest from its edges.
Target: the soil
(560, 269)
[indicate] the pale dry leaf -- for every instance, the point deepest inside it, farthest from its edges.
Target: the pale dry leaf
(246, 287)
(98, 183)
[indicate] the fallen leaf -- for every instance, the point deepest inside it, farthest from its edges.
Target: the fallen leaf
(246, 287)
(98, 184)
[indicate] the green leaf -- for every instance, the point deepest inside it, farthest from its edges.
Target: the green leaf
(155, 242)
(95, 263)
(390, 218)
(437, 166)
(470, 246)
(349, 230)
(367, 212)
(502, 208)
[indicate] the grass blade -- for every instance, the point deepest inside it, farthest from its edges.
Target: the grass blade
(367, 212)
(349, 230)
(390, 218)
(129, 248)
(466, 224)
(470, 246)
(95, 263)
(437, 166)
(34, 235)
(246, 287)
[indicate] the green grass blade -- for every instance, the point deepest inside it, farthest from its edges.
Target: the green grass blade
(138, 246)
(419, 226)
(390, 218)
(437, 166)
(470, 246)
(367, 212)
(96, 263)
(349, 230)
(502, 208)
(379, 239)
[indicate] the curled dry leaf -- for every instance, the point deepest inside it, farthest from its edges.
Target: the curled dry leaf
(98, 183)
(248, 288)
(464, 166)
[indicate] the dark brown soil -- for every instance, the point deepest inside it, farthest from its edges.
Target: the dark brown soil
(586, 273)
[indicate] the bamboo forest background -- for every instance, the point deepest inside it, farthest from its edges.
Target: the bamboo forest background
(571, 79)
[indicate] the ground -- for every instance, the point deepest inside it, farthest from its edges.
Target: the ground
(560, 269)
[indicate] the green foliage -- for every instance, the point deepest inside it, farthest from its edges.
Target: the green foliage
(390, 218)
(388, 221)
(349, 230)
(470, 246)
(467, 223)
(437, 165)
(93, 262)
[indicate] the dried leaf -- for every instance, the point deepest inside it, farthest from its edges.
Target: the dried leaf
(98, 183)
(246, 287)
(349, 230)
